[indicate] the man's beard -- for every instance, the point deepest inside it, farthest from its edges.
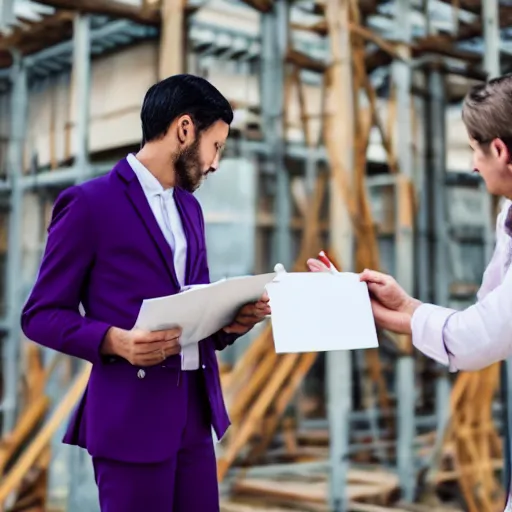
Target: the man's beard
(188, 167)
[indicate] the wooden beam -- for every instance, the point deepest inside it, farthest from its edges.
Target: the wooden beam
(443, 45)
(36, 31)
(367, 7)
(320, 28)
(260, 5)
(171, 60)
(303, 61)
(111, 8)
(468, 31)
(15, 476)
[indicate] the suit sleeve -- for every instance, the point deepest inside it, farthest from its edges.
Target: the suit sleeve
(220, 339)
(51, 315)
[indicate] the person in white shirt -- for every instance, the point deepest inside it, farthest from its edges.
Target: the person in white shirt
(480, 335)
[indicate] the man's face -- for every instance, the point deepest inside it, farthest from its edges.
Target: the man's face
(201, 156)
(492, 162)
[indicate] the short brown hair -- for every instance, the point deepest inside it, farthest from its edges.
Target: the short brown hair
(487, 111)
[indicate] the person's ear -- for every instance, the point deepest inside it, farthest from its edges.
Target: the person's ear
(500, 151)
(186, 130)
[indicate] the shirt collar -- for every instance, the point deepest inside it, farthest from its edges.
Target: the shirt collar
(150, 185)
(508, 222)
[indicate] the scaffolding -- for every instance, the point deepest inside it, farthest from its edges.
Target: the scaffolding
(357, 53)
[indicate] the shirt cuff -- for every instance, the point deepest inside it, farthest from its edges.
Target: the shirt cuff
(427, 325)
(190, 357)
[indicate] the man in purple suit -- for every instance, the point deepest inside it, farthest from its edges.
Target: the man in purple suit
(134, 234)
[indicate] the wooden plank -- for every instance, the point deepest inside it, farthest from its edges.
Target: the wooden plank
(259, 5)
(35, 30)
(315, 490)
(111, 8)
(24, 427)
(14, 477)
(250, 358)
(286, 395)
(256, 413)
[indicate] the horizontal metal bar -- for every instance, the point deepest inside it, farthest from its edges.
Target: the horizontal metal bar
(60, 177)
(67, 175)
(65, 48)
(382, 180)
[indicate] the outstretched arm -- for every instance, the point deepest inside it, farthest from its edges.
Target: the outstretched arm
(471, 339)
(51, 316)
(463, 340)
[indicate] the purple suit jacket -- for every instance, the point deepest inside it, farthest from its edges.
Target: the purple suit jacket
(106, 251)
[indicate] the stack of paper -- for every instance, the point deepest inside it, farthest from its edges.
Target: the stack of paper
(311, 312)
(202, 310)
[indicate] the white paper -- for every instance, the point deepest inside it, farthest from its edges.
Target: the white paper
(202, 310)
(319, 312)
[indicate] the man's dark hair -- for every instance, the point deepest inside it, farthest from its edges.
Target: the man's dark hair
(487, 111)
(179, 95)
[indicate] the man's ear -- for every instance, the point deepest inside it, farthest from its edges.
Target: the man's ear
(500, 150)
(185, 129)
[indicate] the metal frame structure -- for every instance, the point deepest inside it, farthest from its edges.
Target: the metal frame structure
(94, 35)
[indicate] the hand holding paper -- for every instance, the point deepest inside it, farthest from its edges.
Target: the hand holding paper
(249, 315)
(392, 306)
(206, 309)
(336, 314)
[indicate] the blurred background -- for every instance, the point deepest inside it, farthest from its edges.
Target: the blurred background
(347, 137)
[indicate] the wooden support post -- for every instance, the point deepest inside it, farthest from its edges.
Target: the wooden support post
(172, 39)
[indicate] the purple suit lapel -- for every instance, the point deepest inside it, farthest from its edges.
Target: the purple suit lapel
(138, 199)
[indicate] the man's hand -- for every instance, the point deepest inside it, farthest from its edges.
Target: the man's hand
(249, 316)
(315, 265)
(142, 348)
(392, 306)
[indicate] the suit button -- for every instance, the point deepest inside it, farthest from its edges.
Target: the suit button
(141, 374)
(204, 366)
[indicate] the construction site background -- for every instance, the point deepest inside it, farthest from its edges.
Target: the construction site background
(347, 137)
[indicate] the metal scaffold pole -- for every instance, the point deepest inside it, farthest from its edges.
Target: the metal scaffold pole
(341, 129)
(81, 75)
(404, 243)
(14, 298)
(274, 30)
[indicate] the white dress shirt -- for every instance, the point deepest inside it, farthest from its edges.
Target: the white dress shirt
(481, 334)
(166, 213)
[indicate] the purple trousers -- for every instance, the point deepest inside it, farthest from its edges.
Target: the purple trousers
(187, 482)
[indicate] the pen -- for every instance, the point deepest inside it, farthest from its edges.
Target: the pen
(327, 262)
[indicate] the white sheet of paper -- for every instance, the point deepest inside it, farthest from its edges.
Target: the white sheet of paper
(319, 312)
(202, 310)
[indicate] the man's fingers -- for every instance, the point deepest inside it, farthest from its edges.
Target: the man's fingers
(235, 328)
(156, 346)
(372, 276)
(156, 355)
(246, 320)
(256, 309)
(157, 336)
(315, 265)
(262, 308)
(374, 288)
